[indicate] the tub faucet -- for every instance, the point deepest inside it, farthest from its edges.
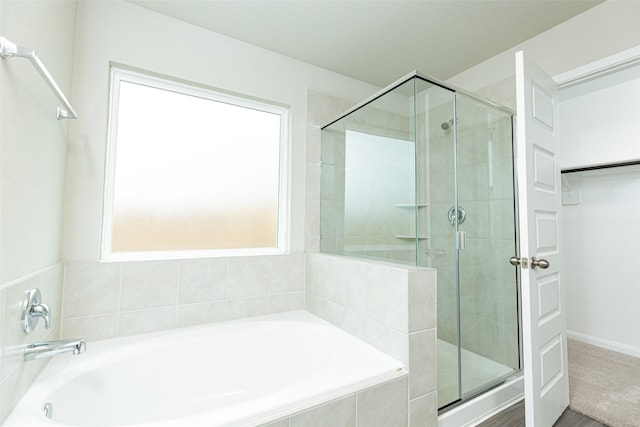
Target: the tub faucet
(40, 350)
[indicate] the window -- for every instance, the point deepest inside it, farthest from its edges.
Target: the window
(192, 172)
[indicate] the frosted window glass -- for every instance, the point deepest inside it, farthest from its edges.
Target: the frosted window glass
(192, 173)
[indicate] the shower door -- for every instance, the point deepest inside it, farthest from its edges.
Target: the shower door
(483, 222)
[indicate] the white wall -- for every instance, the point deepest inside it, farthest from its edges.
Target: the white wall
(600, 120)
(602, 245)
(601, 31)
(600, 123)
(124, 33)
(33, 147)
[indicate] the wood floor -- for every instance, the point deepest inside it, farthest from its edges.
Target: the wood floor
(513, 416)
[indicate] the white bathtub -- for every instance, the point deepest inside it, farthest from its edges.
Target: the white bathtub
(237, 373)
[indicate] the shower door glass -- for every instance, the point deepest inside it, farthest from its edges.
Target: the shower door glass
(488, 301)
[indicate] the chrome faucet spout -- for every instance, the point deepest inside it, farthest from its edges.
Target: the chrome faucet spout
(40, 350)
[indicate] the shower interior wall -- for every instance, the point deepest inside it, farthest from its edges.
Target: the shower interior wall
(366, 222)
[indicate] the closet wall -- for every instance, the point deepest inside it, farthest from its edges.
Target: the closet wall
(600, 124)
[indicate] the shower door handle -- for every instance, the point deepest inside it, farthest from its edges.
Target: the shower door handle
(542, 263)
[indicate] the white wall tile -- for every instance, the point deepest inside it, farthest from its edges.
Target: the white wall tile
(149, 284)
(392, 342)
(422, 361)
(248, 277)
(387, 295)
(286, 273)
(340, 412)
(384, 405)
(202, 280)
(286, 302)
(247, 307)
(423, 411)
(280, 423)
(16, 374)
(14, 337)
(91, 288)
(91, 328)
(144, 321)
(197, 314)
(422, 299)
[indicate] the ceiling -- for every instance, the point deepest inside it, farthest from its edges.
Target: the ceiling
(378, 41)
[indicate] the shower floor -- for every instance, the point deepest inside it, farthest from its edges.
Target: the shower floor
(477, 371)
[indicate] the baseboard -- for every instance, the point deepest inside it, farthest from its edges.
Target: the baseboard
(606, 344)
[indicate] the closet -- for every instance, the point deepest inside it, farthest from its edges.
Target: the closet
(600, 160)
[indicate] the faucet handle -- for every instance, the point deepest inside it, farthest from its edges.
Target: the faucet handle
(33, 309)
(41, 310)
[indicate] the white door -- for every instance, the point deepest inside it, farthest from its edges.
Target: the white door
(544, 338)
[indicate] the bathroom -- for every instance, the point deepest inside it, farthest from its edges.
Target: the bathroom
(53, 173)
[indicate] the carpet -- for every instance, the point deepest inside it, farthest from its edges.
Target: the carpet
(604, 385)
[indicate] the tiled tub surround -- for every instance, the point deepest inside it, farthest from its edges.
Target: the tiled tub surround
(107, 300)
(315, 375)
(392, 307)
(16, 375)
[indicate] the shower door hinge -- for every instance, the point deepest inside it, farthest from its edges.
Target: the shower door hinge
(522, 262)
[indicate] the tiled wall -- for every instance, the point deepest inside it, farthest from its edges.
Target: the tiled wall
(392, 307)
(16, 375)
(384, 405)
(106, 300)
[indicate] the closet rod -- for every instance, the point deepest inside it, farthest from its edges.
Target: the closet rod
(9, 50)
(606, 166)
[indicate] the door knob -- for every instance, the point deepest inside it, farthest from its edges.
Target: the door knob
(542, 263)
(517, 261)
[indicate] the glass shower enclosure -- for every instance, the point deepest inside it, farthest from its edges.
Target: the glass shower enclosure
(422, 174)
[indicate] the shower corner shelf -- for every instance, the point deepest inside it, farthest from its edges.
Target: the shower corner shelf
(411, 205)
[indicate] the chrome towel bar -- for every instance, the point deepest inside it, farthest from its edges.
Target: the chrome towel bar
(9, 50)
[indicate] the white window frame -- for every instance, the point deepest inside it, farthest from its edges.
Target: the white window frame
(119, 74)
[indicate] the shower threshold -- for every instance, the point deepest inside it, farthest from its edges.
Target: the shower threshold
(478, 373)
(485, 405)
